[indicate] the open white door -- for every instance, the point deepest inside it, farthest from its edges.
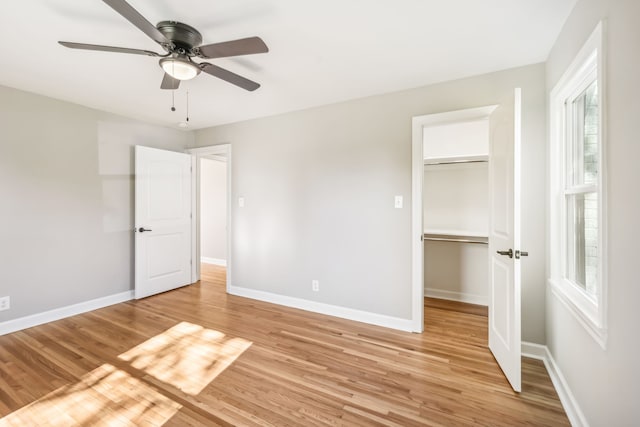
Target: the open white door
(162, 221)
(504, 237)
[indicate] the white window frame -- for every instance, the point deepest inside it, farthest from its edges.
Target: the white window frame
(589, 310)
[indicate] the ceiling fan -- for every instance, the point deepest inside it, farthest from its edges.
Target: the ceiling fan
(181, 43)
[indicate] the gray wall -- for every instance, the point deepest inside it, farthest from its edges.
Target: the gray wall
(606, 383)
(213, 209)
(319, 186)
(66, 185)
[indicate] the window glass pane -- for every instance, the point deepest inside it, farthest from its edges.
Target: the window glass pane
(582, 240)
(582, 153)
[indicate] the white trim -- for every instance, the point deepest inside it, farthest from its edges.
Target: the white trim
(208, 152)
(217, 157)
(581, 189)
(533, 350)
(590, 312)
(579, 313)
(213, 261)
(456, 296)
(60, 313)
(327, 309)
(229, 218)
(457, 116)
(568, 400)
(417, 226)
(418, 123)
(195, 219)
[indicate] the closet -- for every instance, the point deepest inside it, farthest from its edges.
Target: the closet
(456, 211)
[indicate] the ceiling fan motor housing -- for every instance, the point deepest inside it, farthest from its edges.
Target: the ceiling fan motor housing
(182, 35)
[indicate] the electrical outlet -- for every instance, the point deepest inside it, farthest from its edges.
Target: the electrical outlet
(315, 285)
(5, 303)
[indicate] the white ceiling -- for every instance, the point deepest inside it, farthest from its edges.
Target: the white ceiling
(320, 51)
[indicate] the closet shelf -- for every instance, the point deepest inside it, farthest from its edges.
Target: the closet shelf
(480, 158)
(457, 233)
(456, 236)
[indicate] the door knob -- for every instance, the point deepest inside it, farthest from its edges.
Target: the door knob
(521, 253)
(508, 253)
(142, 229)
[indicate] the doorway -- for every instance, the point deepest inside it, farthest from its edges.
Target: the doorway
(213, 214)
(450, 156)
(503, 228)
(212, 206)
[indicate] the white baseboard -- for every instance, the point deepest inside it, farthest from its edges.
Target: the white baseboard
(571, 407)
(60, 313)
(456, 296)
(213, 261)
(322, 308)
(534, 351)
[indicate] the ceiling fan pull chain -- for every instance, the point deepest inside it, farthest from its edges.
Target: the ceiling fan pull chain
(187, 106)
(173, 101)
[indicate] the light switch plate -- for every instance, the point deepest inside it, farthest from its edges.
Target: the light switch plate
(5, 303)
(398, 202)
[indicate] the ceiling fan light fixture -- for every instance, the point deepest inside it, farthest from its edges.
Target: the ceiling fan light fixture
(179, 67)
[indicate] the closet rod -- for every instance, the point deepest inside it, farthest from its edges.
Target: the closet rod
(455, 239)
(454, 162)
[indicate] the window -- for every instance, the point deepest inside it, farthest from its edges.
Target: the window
(581, 189)
(577, 264)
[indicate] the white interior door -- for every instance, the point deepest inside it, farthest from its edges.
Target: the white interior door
(504, 237)
(162, 220)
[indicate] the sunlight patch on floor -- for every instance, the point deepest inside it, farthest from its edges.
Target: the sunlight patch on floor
(106, 396)
(187, 356)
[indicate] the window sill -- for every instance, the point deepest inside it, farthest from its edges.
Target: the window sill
(586, 316)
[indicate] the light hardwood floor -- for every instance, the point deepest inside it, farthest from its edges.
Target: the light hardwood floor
(197, 356)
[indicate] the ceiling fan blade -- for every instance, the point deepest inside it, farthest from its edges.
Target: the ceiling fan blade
(228, 76)
(133, 16)
(169, 82)
(246, 46)
(86, 46)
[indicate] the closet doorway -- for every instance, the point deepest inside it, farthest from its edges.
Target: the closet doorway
(466, 219)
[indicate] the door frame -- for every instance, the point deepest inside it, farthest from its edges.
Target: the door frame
(197, 154)
(417, 202)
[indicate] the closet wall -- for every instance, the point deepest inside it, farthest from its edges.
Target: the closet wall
(456, 211)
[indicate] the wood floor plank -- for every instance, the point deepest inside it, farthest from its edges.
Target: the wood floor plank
(264, 365)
